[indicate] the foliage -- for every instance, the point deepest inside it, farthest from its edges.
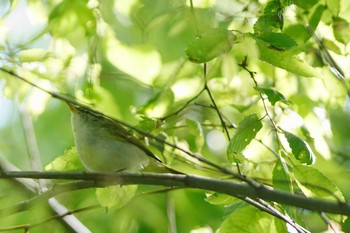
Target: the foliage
(254, 92)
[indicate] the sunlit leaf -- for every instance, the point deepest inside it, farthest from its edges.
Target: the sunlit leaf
(245, 133)
(69, 16)
(31, 55)
(332, 5)
(251, 220)
(341, 30)
(300, 149)
(286, 60)
(298, 32)
(331, 45)
(115, 196)
(209, 45)
(272, 95)
(69, 161)
(314, 184)
(277, 40)
(316, 17)
(220, 199)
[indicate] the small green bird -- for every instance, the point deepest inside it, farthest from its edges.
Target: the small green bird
(104, 145)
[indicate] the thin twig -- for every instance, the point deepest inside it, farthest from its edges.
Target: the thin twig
(45, 221)
(183, 107)
(213, 101)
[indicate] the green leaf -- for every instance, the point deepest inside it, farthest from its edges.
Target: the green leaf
(272, 7)
(331, 45)
(69, 161)
(220, 199)
(115, 196)
(195, 135)
(300, 149)
(31, 55)
(267, 23)
(271, 19)
(251, 220)
(281, 179)
(314, 184)
(341, 30)
(287, 2)
(147, 124)
(272, 95)
(70, 16)
(298, 32)
(209, 45)
(245, 133)
(332, 5)
(306, 4)
(286, 60)
(316, 17)
(277, 40)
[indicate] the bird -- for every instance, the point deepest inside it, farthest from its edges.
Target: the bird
(104, 145)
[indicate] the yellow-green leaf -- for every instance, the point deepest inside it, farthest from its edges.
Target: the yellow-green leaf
(251, 220)
(314, 184)
(245, 133)
(272, 95)
(286, 60)
(69, 161)
(300, 149)
(115, 196)
(209, 45)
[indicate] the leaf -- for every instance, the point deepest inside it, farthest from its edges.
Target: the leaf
(70, 16)
(314, 184)
(272, 7)
(209, 45)
(341, 30)
(272, 95)
(115, 196)
(268, 23)
(300, 149)
(306, 4)
(271, 19)
(277, 40)
(298, 32)
(69, 161)
(316, 17)
(245, 133)
(195, 135)
(251, 220)
(286, 60)
(281, 179)
(147, 124)
(332, 46)
(31, 55)
(220, 199)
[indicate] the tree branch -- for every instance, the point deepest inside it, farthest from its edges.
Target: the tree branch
(233, 188)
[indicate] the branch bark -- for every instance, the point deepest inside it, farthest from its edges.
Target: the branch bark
(233, 188)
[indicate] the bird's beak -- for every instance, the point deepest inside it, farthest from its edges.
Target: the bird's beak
(72, 107)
